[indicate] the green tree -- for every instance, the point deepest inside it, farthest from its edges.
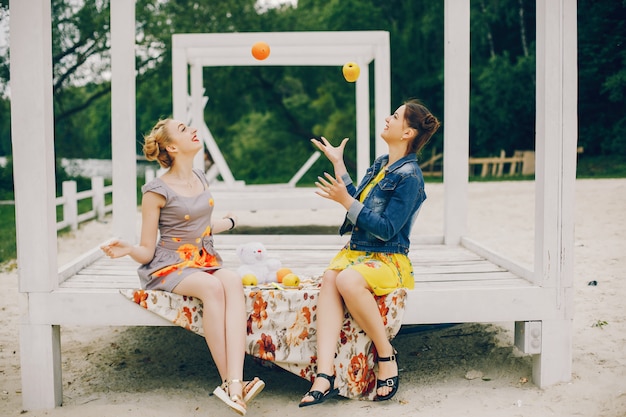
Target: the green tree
(503, 106)
(602, 75)
(268, 114)
(5, 105)
(502, 97)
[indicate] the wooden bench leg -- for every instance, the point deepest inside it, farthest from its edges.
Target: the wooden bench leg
(554, 363)
(40, 357)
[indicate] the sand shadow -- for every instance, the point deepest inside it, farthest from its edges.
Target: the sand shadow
(133, 360)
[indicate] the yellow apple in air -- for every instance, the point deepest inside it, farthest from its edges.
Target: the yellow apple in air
(249, 280)
(291, 280)
(351, 71)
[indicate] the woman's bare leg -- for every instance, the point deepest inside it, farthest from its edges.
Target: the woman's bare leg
(210, 291)
(362, 306)
(223, 320)
(329, 321)
(235, 323)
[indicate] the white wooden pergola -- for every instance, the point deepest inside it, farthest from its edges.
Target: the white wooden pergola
(548, 299)
(191, 53)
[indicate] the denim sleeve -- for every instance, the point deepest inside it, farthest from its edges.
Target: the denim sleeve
(349, 184)
(354, 211)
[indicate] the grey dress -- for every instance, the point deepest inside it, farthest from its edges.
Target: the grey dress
(186, 242)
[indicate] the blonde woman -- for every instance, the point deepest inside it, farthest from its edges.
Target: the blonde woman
(176, 253)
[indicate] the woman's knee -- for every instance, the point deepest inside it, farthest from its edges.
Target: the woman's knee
(349, 282)
(229, 280)
(203, 286)
(329, 279)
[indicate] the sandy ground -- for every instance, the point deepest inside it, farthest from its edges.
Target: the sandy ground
(168, 372)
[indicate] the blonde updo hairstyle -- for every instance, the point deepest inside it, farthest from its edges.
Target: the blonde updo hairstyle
(155, 143)
(421, 119)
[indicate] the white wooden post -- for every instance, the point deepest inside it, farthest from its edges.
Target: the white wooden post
(32, 135)
(198, 102)
(304, 168)
(363, 159)
(40, 359)
(70, 207)
(556, 174)
(150, 175)
(97, 199)
(123, 132)
(180, 87)
(382, 90)
(456, 118)
(197, 109)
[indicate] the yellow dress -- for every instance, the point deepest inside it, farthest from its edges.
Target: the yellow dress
(384, 272)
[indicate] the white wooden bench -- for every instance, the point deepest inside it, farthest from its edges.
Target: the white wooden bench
(458, 280)
(453, 285)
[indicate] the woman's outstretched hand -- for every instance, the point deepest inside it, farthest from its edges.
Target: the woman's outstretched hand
(116, 248)
(333, 189)
(333, 153)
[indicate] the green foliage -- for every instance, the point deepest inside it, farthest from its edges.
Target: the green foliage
(95, 130)
(7, 207)
(7, 229)
(602, 74)
(4, 55)
(503, 81)
(6, 181)
(266, 115)
(502, 96)
(601, 166)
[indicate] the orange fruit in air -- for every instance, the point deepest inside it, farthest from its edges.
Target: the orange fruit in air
(280, 274)
(260, 50)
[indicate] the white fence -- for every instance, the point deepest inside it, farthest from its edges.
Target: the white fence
(70, 198)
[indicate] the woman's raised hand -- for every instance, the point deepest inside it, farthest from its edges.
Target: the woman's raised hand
(334, 154)
(333, 189)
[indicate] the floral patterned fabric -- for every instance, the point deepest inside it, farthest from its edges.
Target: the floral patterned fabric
(281, 330)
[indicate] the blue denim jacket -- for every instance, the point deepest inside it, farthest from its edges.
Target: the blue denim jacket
(383, 222)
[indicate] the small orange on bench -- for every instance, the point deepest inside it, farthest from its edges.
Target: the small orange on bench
(280, 274)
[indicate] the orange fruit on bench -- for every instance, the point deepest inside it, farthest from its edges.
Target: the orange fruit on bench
(280, 274)
(260, 50)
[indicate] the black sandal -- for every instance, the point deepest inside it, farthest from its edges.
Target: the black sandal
(319, 396)
(392, 382)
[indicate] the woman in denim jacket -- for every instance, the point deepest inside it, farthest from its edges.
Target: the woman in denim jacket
(380, 214)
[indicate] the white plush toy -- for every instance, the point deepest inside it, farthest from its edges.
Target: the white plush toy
(254, 260)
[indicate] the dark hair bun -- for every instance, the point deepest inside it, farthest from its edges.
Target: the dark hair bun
(430, 123)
